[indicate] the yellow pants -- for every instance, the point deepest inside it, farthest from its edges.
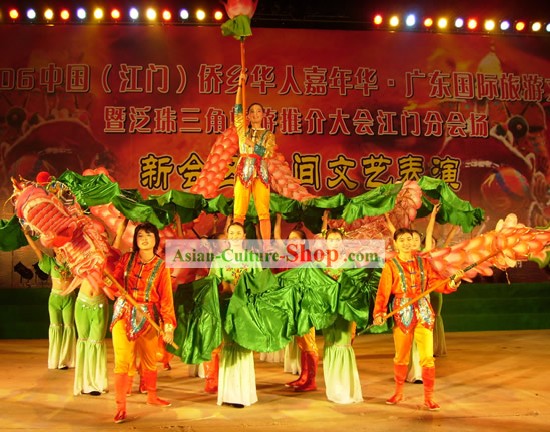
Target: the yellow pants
(259, 191)
(307, 342)
(424, 342)
(145, 347)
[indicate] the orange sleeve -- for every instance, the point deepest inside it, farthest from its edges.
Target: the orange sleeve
(385, 289)
(166, 297)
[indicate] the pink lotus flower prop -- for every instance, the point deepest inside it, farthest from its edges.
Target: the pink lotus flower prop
(240, 13)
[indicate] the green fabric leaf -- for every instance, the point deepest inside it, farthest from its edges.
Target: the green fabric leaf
(238, 27)
(11, 235)
(260, 316)
(199, 330)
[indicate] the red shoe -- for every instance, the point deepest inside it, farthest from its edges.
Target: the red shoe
(156, 401)
(310, 384)
(431, 405)
(120, 417)
(395, 399)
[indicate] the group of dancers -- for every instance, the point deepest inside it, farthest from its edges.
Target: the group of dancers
(145, 311)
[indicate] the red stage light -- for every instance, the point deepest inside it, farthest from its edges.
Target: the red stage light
(378, 19)
(14, 14)
(472, 23)
(166, 15)
(65, 15)
(218, 15)
(428, 22)
(115, 14)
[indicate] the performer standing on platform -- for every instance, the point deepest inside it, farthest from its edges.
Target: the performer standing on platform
(61, 334)
(145, 277)
(405, 277)
(255, 145)
(237, 379)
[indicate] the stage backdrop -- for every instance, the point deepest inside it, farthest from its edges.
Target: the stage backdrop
(351, 110)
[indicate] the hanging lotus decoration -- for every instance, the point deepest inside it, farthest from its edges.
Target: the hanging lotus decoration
(240, 12)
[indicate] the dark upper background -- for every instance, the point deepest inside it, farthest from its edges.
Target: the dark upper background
(337, 14)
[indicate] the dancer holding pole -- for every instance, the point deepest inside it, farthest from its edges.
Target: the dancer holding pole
(409, 278)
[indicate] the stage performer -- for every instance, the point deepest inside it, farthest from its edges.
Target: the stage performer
(256, 144)
(404, 277)
(145, 277)
(309, 353)
(237, 379)
(62, 333)
(342, 381)
(92, 321)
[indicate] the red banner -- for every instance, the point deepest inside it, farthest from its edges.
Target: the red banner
(351, 110)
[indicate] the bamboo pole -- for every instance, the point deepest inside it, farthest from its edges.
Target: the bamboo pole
(133, 302)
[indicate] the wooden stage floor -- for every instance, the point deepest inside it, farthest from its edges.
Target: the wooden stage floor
(489, 381)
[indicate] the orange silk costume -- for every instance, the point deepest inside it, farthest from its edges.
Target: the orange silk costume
(151, 286)
(405, 280)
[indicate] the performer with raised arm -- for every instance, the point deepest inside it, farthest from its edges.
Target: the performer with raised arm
(256, 144)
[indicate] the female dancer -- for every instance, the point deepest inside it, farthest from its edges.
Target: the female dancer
(145, 277)
(255, 145)
(237, 380)
(339, 364)
(61, 334)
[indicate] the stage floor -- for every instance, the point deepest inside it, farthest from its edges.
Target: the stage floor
(489, 381)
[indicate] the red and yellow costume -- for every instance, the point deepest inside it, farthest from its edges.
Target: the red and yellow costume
(402, 281)
(252, 176)
(150, 285)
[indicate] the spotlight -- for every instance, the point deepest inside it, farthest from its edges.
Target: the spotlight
(14, 14)
(218, 15)
(81, 13)
(520, 26)
(31, 14)
(394, 21)
(489, 25)
(65, 15)
(151, 14)
(23, 271)
(548, 27)
(184, 14)
(536, 26)
(428, 22)
(505, 25)
(98, 13)
(442, 23)
(472, 23)
(134, 14)
(200, 15)
(410, 21)
(115, 14)
(166, 15)
(378, 19)
(48, 14)
(459, 23)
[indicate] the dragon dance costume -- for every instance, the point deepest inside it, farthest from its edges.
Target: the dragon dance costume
(252, 176)
(404, 280)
